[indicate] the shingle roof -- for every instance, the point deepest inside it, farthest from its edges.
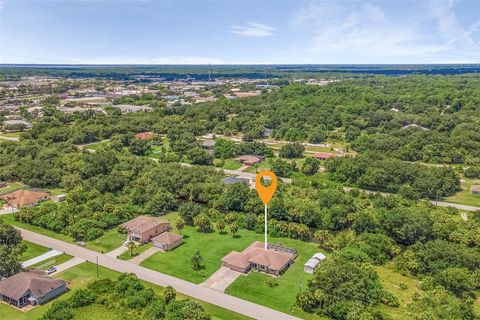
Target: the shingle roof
(323, 155)
(22, 198)
(145, 135)
(143, 223)
(256, 253)
(34, 280)
(167, 238)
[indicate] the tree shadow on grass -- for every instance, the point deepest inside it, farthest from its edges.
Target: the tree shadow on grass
(237, 236)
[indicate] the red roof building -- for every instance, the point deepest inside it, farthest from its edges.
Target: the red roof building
(145, 135)
(323, 155)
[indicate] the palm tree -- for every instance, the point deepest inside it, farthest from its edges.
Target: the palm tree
(179, 224)
(220, 226)
(131, 246)
(197, 262)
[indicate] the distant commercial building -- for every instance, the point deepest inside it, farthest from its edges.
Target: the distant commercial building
(130, 108)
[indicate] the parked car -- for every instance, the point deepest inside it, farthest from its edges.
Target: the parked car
(51, 270)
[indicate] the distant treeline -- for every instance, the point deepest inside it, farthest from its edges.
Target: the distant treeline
(204, 72)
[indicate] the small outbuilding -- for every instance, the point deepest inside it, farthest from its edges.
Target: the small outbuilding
(313, 262)
(208, 144)
(167, 241)
(323, 155)
(476, 189)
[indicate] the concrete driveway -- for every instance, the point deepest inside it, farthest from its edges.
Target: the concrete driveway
(7, 210)
(223, 300)
(221, 279)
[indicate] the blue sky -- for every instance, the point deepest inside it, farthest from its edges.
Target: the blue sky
(239, 32)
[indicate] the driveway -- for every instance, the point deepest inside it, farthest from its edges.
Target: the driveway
(116, 252)
(68, 264)
(221, 279)
(40, 258)
(144, 255)
(7, 210)
(220, 299)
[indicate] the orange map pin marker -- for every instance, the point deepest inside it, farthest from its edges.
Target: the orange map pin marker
(266, 193)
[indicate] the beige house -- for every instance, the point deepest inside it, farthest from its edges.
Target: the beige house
(144, 228)
(274, 260)
(167, 241)
(24, 198)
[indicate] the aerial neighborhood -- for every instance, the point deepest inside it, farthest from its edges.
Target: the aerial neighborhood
(125, 181)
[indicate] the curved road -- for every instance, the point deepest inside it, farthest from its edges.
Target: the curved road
(198, 292)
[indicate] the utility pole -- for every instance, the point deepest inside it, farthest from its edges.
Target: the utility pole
(266, 245)
(97, 266)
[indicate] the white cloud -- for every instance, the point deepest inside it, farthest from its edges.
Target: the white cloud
(252, 29)
(367, 32)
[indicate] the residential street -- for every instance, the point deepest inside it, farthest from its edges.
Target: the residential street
(205, 294)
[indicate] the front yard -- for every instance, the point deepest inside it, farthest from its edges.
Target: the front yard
(85, 273)
(33, 250)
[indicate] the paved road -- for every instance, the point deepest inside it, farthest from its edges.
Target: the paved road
(205, 294)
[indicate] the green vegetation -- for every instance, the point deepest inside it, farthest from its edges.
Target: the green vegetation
(51, 262)
(282, 295)
(109, 241)
(136, 251)
(32, 250)
(228, 164)
(466, 196)
(11, 187)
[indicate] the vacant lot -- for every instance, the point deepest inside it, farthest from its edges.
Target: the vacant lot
(33, 250)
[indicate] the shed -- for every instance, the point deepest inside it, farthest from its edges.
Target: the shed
(476, 189)
(310, 265)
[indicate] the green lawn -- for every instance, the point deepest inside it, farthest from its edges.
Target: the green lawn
(85, 273)
(282, 296)
(393, 282)
(55, 261)
(229, 164)
(11, 134)
(110, 240)
(56, 191)
(11, 187)
(33, 250)
(465, 196)
(260, 167)
(138, 249)
(96, 146)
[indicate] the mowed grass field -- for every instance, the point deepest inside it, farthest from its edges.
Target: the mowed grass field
(32, 250)
(11, 187)
(85, 273)
(466, 196)
(214, 246)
